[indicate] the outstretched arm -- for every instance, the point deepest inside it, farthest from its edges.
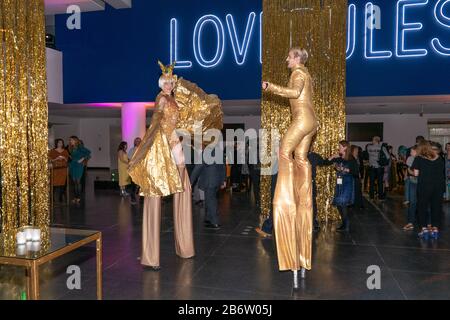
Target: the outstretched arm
(293, 92)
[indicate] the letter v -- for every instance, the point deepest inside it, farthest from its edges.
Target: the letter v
(240, 50)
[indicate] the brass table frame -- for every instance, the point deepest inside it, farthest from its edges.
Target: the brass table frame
(32, 266)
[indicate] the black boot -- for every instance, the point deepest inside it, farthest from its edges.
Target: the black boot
(345, 221)
(345, 226)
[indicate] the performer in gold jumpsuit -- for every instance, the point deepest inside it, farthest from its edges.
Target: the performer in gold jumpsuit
(292, 204)
(158, 167)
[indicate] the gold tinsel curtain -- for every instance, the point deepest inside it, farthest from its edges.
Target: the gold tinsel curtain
(23, 116)
(320, 27)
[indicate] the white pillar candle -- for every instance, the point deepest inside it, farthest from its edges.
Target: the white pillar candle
(36, 234)
(21, 238)
(36, 246)
(21, 250)
(28, 233)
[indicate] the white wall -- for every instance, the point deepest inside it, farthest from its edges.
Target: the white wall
(95, 134)
(54, 75)
(249, 121)
(62, 128)
(399, 129)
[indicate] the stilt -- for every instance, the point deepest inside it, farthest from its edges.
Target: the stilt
(303, 273)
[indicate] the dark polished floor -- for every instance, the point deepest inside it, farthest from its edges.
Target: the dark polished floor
(234, 263)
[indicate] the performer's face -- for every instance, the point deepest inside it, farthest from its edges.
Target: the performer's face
(168, 87)
(292, 61)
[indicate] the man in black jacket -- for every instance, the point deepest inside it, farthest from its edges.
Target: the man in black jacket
(211, 176)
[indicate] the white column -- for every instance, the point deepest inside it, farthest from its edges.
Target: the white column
(133, 122)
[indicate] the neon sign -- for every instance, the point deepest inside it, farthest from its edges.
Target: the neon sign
(442, 19)
(228, 37)
(403, 28)
(239, 44)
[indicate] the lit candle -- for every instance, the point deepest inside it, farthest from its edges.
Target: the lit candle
(21, 250)
(28, 233)
(36, 246)
(36, 234)
(21, 238)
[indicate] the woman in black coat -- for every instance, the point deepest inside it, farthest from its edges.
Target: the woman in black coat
(347, 172)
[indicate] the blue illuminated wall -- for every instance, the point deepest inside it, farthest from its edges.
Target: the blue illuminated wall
(218, 45)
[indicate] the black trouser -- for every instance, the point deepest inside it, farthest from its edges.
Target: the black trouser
(236, 174)
(212, 215)
(400, 173)
(314, 199)
(343, 211)
(254, 178)
(267, 226)
(429, 196)
(132, 190)
(376, 174)
(358, 194)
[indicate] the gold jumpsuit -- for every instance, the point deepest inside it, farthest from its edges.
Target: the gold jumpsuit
(158, 167)
(292, 204)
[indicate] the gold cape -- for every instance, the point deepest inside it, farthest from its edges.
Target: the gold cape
(153, 166)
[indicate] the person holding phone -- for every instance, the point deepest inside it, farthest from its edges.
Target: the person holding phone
(346, 173)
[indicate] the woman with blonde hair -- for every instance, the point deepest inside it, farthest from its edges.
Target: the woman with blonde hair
(429, 167)
(122, 161)
(78, 154)
(159, 168)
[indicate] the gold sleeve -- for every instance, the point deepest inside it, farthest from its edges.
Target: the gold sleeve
(140, 152)
(293, 91)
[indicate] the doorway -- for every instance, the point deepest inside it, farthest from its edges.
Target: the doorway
(439, 131)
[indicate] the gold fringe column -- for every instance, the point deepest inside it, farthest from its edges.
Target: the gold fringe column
(23, 117)
(320, 27)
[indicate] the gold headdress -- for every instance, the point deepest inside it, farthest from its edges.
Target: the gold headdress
(167, 71)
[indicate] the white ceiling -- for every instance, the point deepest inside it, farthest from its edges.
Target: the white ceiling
(399, 105)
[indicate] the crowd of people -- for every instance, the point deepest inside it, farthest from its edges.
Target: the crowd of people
(427, 185)
(423, 170)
